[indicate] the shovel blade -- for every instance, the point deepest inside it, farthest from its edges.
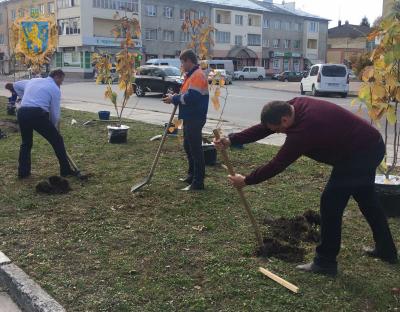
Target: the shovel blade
(138, 186)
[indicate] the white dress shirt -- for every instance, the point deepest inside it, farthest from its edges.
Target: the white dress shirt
(43, 93)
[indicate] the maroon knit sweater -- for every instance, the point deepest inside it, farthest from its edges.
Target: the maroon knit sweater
(322, 131)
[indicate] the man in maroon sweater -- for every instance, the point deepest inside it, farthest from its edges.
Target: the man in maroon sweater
(332, 135)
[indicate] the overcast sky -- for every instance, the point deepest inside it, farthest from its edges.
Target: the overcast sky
(351, 10)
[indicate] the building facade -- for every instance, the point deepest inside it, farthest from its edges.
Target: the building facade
(387, 7)
(347, 41)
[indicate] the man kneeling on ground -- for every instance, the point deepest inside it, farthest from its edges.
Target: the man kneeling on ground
(332, 135)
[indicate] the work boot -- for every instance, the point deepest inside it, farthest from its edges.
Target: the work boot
(374, 253)
(68, 173)
(187, 180)
(193, 187)
(315, 268)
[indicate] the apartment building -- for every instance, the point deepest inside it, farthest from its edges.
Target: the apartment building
(84, 28)
(162, 20)
(292, 39)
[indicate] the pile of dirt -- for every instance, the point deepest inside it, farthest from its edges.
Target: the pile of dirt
(9, 125)
(286, 234)
(54, 185)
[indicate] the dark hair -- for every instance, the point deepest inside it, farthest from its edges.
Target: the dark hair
(57, 73)
(9, 86)
(273, 112)
(189, 55)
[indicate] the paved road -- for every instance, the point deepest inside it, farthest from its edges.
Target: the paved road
(243, 107)
(6, 304)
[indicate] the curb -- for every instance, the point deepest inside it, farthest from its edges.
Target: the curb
(29, 296)
(350, 94)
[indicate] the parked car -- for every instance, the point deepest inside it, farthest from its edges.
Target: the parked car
(326, 78)
(217, 74)
(290, 76)
(114, 75)
(275, 76)
(158, 79)
(250, 72)
(175, 62)
(352, 76)
(227, 65)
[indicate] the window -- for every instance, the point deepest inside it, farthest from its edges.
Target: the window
(296, 65)
(265, 63)
(266, 23)
(276, 24)
(21, 12)
(42, 9)
(253, 70)
(222, 17)
(254, 20)
(62, 4)
(222, 37)
(168, 35)
(276, 64)
(182, 14)
(72, 59)
(334, 71)
(265, 43)
(312, 44)
(238, 19)
(239, 40)
(286, 64)
(150, 34)
(124, 5)
(314, 71)
(151, 10)
(296, 27)
(50, 7)
(1, 18)
(254, 40)
(313, 27)
(276, 43)
(13, 15)
(285, 25)
(168, 11)
(1, 38)
(297, 44)
(184, 36)
(286, 44)
(69, 26)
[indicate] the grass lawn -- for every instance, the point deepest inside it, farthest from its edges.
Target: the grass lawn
(101, 248)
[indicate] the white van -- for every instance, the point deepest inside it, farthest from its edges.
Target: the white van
(175, 62)
(227, 65)
(250, 72)
(326, 78)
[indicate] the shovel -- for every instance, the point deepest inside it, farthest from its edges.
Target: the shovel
(147, 180)
(243, 199)
(78, 173)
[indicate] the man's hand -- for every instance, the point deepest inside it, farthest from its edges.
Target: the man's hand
(167, 99)
(222, 143)
(237, 181)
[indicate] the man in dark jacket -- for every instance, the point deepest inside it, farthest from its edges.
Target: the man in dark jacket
(332, 135)
(193, 106)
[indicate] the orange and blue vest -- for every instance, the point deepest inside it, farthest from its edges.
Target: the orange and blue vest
(193, 97)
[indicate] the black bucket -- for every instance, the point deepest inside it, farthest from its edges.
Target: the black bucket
(389, 198)
(210, 154)
(117, 135)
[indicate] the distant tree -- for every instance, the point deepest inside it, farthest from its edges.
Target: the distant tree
(359, 62)
(365, 22)
(377, 22)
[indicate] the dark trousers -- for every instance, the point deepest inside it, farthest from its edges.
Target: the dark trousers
(32, 118)
(192, 132)
(353, 177)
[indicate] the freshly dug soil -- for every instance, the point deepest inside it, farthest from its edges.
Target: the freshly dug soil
(8, 125)
(54, 185)
(285, 236)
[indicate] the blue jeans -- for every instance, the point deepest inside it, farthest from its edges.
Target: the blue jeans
(353, 177)
(34, 118)
(192, 143)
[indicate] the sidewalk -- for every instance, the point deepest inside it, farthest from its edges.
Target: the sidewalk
(293, 87)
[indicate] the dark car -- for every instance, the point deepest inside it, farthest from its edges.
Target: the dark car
(158, 79)
(290, 76)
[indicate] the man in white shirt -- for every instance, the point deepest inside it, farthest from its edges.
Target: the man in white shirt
(40, 111)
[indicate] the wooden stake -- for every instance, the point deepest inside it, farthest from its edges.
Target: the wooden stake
(279, 280)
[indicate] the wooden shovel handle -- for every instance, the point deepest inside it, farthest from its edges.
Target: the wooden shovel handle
(243, 199)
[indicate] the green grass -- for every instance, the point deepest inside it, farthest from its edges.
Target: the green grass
(101, 248)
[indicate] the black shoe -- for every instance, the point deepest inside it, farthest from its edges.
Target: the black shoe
(315, 268)
(193, 187)
(69, 173)
(187, 180)
(372, 252)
